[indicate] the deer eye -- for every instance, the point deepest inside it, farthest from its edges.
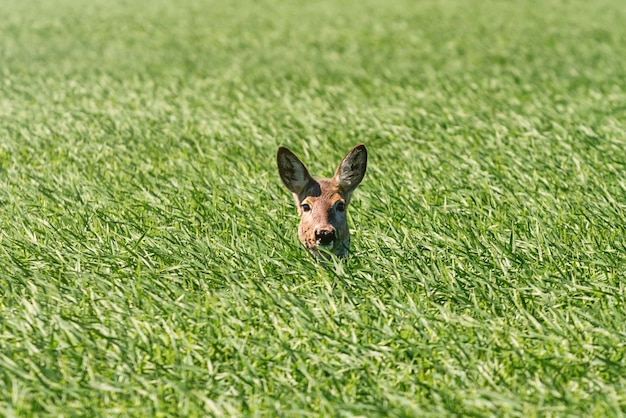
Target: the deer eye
(306, 207)
(341, 207)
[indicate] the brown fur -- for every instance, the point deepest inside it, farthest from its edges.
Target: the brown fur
(320, 201)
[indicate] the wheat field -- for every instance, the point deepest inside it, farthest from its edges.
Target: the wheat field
(149, 260)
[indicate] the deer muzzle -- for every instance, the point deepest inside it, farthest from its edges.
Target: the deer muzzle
(325, 238)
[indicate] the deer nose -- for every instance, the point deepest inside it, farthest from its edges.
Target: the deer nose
(325, 237)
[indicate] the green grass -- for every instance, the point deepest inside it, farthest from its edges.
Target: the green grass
(149, 263)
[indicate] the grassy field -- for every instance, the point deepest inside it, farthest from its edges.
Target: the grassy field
(149, 263)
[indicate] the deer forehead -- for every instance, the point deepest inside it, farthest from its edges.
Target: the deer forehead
(324, 192)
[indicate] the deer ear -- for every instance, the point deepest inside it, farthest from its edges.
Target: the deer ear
(352, 168)
(292, 172)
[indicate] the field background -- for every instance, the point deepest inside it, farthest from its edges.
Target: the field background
(149, 264)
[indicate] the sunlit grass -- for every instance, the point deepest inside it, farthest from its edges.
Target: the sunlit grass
(149, 263)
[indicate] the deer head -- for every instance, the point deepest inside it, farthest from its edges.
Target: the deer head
(322, 203)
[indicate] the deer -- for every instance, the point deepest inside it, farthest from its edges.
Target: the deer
(322, 202)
